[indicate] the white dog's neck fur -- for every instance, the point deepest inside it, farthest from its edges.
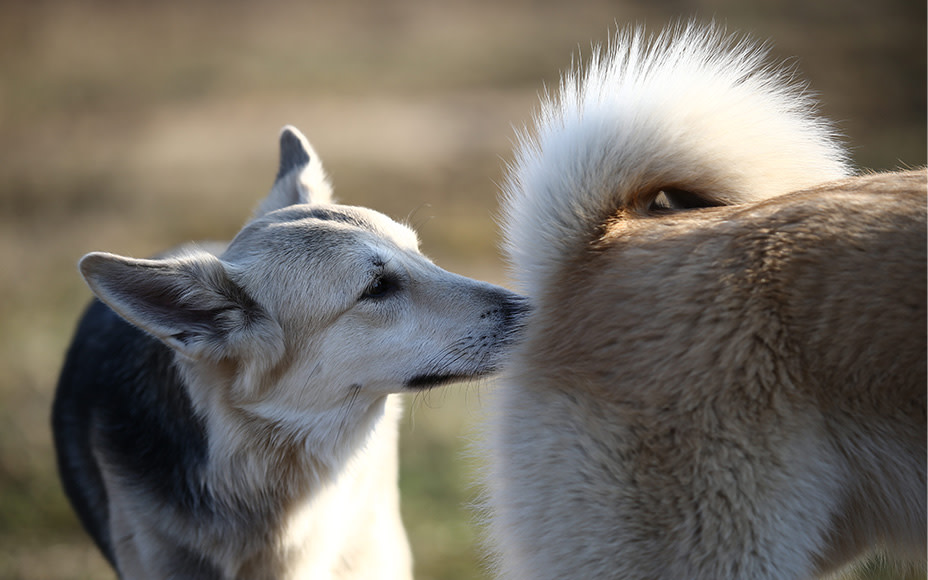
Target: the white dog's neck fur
(307, 472)
(297, 452)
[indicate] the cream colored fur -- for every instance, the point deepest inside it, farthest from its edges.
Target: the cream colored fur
(731, 391)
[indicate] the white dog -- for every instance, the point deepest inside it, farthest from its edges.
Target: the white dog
(235, 416)
(724, 375)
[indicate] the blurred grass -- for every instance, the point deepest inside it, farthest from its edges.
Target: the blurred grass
(131, 126)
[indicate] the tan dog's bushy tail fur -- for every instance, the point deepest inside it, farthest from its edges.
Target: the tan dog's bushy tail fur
(693, 110)
(724, 372)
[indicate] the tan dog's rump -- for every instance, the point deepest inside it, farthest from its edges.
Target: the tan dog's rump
(725, 374)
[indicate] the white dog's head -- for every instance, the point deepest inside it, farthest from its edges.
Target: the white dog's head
(310, 304)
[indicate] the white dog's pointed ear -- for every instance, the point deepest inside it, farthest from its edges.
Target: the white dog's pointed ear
(300, 177)
(188, 302)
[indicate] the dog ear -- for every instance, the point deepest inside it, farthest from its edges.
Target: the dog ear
(300, 178)
(188, 302)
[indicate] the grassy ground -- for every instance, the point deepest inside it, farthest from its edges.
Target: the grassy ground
(130, 127)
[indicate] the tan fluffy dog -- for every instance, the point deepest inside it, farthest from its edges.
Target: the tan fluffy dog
(725, 374)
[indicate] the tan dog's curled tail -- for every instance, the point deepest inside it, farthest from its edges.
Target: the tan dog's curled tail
(693, 113)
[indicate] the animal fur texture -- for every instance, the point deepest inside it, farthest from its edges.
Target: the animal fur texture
(235, 415)
(724, 375)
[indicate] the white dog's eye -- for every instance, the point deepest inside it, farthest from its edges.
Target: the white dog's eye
(380, 288)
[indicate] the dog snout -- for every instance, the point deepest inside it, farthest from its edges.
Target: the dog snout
(510, 310)
(516, 308)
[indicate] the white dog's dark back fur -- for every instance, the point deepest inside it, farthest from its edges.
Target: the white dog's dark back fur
(234, 416)
(724, 374)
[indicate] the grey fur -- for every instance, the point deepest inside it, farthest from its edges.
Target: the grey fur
(294, 152)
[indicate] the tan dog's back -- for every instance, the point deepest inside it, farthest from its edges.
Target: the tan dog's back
(754, 369)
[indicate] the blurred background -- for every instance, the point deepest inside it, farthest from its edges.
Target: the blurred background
(131, 126)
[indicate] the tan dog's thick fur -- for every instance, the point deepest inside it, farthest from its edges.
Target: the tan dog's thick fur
(724, 375)
(243, 422)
